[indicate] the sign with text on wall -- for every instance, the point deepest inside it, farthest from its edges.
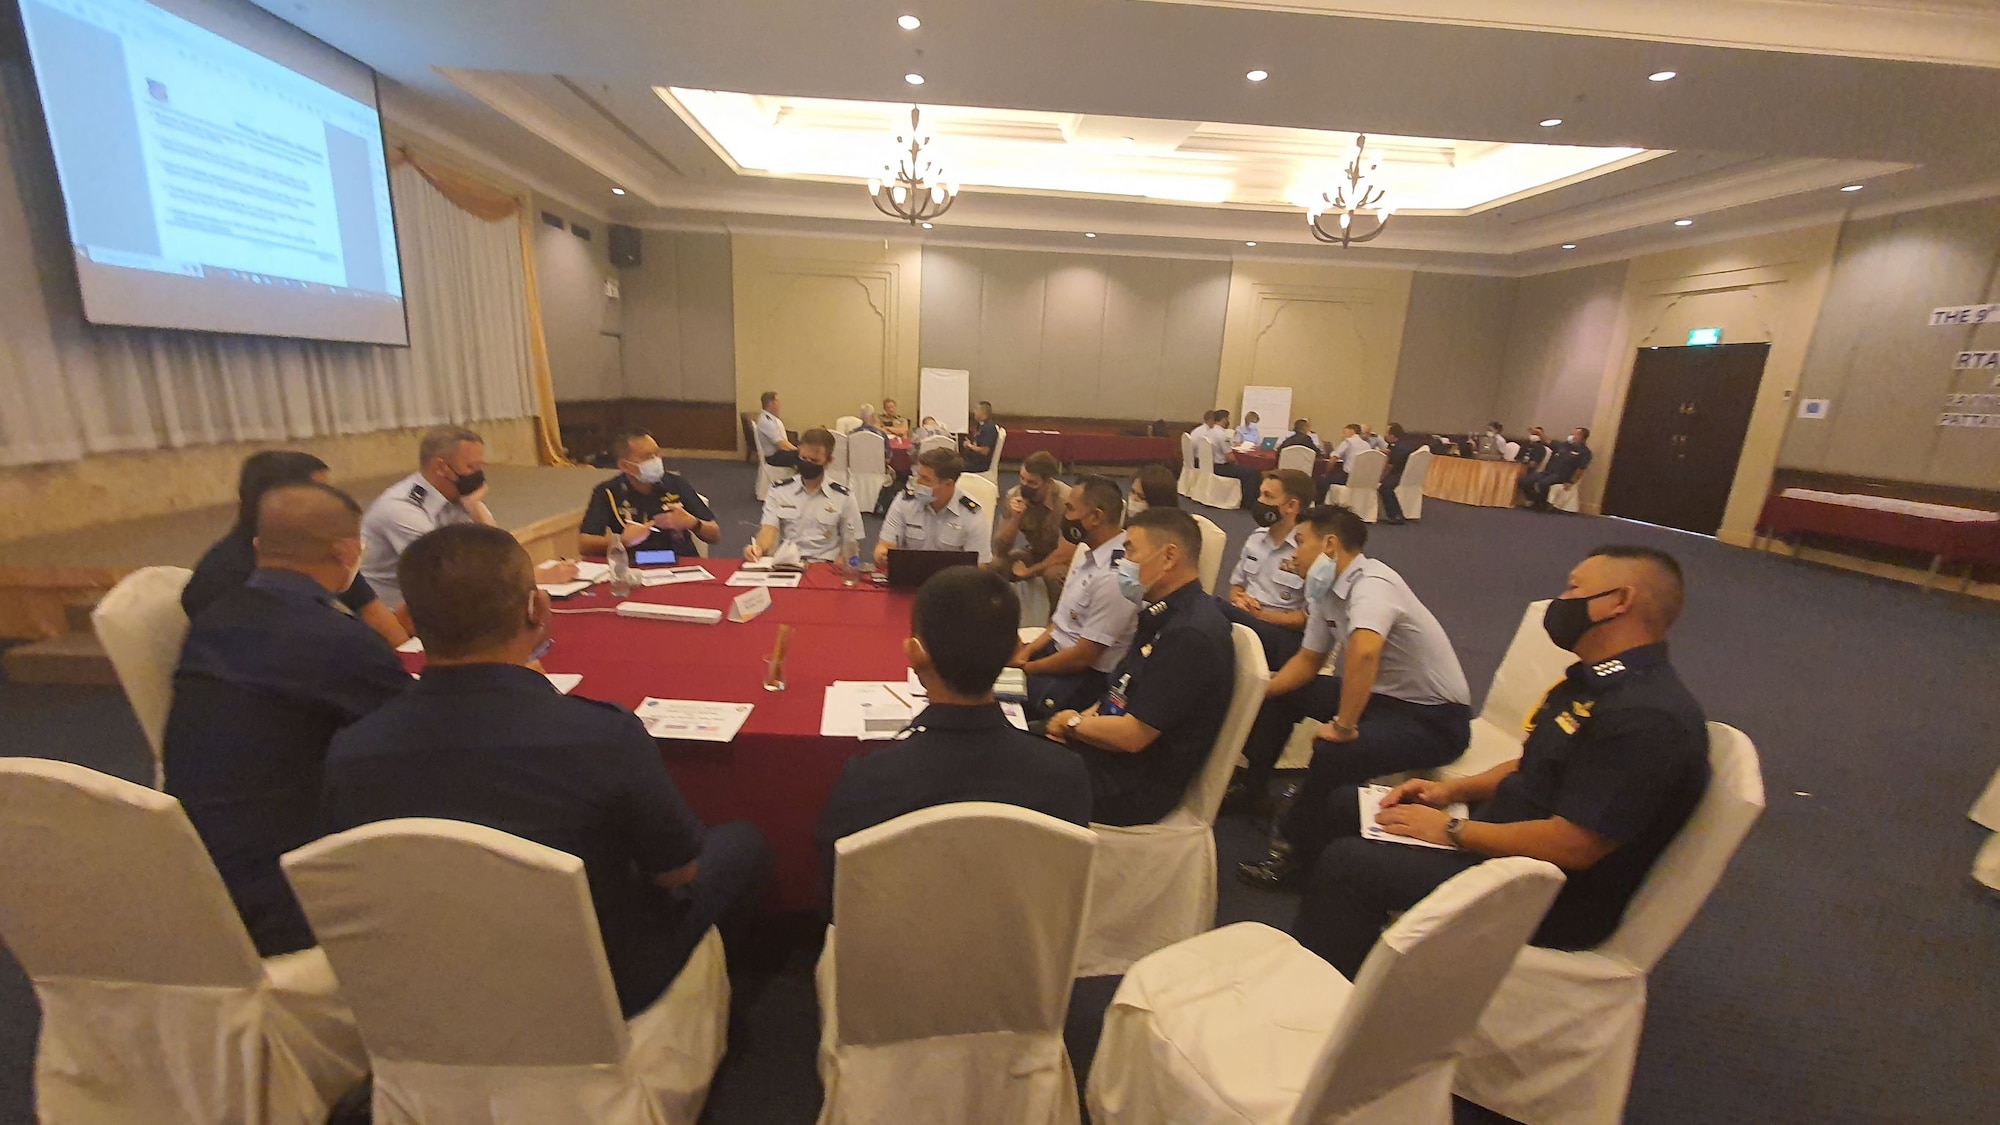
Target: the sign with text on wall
(1704, 337)
(1964, 314)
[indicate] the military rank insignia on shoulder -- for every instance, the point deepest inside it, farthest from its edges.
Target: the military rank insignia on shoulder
(840, 488)
(1607, 668)
(969, 503)
(417, 495)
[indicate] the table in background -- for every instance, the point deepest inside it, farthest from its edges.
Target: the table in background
(1466, 480)
(1265, 460)
(778, 772)
(1947, 534)
(1121, 449)
(899, 455)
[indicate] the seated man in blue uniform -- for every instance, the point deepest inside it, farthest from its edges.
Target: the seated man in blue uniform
(655, 510)
(930, 515)
(270, 670)
(1615, 762)
(961, 748)
(1263, 592)
(1066, 664)
(1566, 463)
(1153, 729)
(485, 739)
(817, 516)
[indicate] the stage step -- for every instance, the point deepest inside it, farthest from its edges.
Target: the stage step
(74, 658)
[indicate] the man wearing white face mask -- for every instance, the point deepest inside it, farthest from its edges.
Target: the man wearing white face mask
(651, 508)
(1400, 702)
(1150, 733)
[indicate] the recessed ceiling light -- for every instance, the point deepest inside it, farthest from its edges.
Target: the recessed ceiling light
(618, 191)
(909, 23)
(1249, 244)
(1569, 245)
(914, 79)
(1663, 76)
(1551, 122)
(1090, 234)
(927, 226)
(1258, 75)
(1683, 222)
(1852, 187)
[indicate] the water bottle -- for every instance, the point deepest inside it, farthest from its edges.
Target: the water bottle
(850, 561)
(621, 564)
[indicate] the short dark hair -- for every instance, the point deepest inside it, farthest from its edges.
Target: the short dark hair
(1302, 426)
(1339, 521)
(1297, 485)
(1042, 463)
(626, 439)
(767, 398)
(946, 464)
(968, 620)
(1173, 524)
(1395, 429)
(467, 588)
(819, 438)
(1585, 431)
(1668, 567)
(1496, 426)
(1354, 426)
(1102, 494)
(986, 406)
(1160, 487)
(264, 471)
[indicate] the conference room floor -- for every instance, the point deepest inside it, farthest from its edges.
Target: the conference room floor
(1841, 972)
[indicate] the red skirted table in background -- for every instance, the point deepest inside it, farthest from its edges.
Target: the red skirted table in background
(778, 772)
(1947, 534)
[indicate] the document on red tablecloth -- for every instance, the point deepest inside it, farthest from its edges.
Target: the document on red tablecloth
(1371, 803)
(780, 579)
(674, 576)
(693, 720)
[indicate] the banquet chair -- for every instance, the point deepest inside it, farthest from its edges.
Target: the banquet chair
(992, 472)
(1532, 665)
(1410, 490)
(701, 547)
(768, 475)
(1359, 491)
(987, 495)
(1214, 544)
(937, 441)
(1243, 1024)
(155, 1006)
(1186, 483)
(1209, 489)
(1557, 1044)
(1567, 497)
(1154, 884)
(1986, 813)
(1297, 457)
(846, 424)
(837, 467)
(141, 625)
(946, 974)
(473, 962)
(867, 468)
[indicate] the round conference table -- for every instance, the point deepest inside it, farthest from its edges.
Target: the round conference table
(778, 771)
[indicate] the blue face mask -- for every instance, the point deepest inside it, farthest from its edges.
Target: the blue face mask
(1128, 581)
(1319, 579)
(922, 493)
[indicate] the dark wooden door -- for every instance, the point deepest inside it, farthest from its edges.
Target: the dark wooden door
(1682, 434)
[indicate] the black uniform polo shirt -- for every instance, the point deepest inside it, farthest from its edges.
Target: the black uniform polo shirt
(988, 436)
(1567, 460)
(951, 754)
(1176, 678)
(494, 744)
(640, 506)
(1621, 748)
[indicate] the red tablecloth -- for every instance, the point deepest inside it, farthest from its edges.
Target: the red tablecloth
(1950, 541)
(779, 771)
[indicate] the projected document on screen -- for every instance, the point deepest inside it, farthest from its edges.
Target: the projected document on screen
(221, 170)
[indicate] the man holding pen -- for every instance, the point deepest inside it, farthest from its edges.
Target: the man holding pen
(654, 509)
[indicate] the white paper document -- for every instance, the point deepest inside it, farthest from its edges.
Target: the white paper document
(414, 644)
(851, 704)
(784, 579)
(563, 589)
(593, 571)
(692, 720)
(564, 682)
(674, 576)
(1371, 803)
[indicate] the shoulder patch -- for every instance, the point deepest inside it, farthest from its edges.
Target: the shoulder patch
(968, 503)
(418, 493)
(840, 488)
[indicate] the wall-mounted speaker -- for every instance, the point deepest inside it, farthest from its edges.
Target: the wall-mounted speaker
(624, 244)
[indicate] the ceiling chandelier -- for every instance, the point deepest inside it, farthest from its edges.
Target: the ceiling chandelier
(912, 185)
(1356, 204)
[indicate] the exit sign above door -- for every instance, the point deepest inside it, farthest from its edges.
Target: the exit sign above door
(1699, 337)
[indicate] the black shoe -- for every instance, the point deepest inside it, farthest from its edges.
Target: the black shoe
(1275, 872)
(1397, 522)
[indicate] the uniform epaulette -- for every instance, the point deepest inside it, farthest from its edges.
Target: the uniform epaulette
(840, 488)
(969, 503)
(1607, 668)
(418, 494)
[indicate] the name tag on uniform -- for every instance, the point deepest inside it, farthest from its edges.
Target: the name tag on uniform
(1567, 723)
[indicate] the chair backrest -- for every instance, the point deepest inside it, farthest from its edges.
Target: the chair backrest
(992, 472)
(1203, 798)
(846, 423)
(1425, 983)
(1533, 664)
(982, 489)
(1416, 469)
(1509, 449)
(1692, 864)
(1187, 448)
(1297, 457)
(107, 880)
(937, 441)
(868, 455)
(1214, 541)
(958, 919)
(460, 945)
(1368, 468)
(1204, 457)
(141, 625)
(837, 468)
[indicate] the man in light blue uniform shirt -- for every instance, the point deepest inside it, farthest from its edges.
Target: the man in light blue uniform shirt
(1248, 431)
(930, 516)
(810, 512)
(772, 444)
(1351, 446)
(448, 487)
(1069, 663)
(1263, 592)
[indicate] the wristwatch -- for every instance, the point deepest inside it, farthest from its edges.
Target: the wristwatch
(1069, 728)
(1343, 728)
(1452, 828)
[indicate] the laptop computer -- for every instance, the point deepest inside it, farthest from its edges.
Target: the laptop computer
(911, 569)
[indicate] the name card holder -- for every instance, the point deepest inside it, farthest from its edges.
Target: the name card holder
(749, 603)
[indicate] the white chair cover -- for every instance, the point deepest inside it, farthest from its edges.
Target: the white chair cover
(846, 424)
(141, 625)
(946, 976)
(1210, 489)
(867, 467)
(992, 472)
(768, 475)
(987, 495)
(474, 965)
(1297, 457)
(1214, 543)
(1509, 449)
(1410, 490)
(1187, 477)
(1532, 666)
(937, 441)
(1359, 491)
(836, 469)
(1986, 813)
(1557, 1044)
(155, 1006)
(701, 546)
(1242, 1024)
(1566, 497)
(1154, 884)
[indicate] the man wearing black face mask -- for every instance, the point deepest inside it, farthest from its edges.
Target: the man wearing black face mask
(1615, 762)
(1263, 592)
(1028, 545)
(1092, 625)
(448, 487)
